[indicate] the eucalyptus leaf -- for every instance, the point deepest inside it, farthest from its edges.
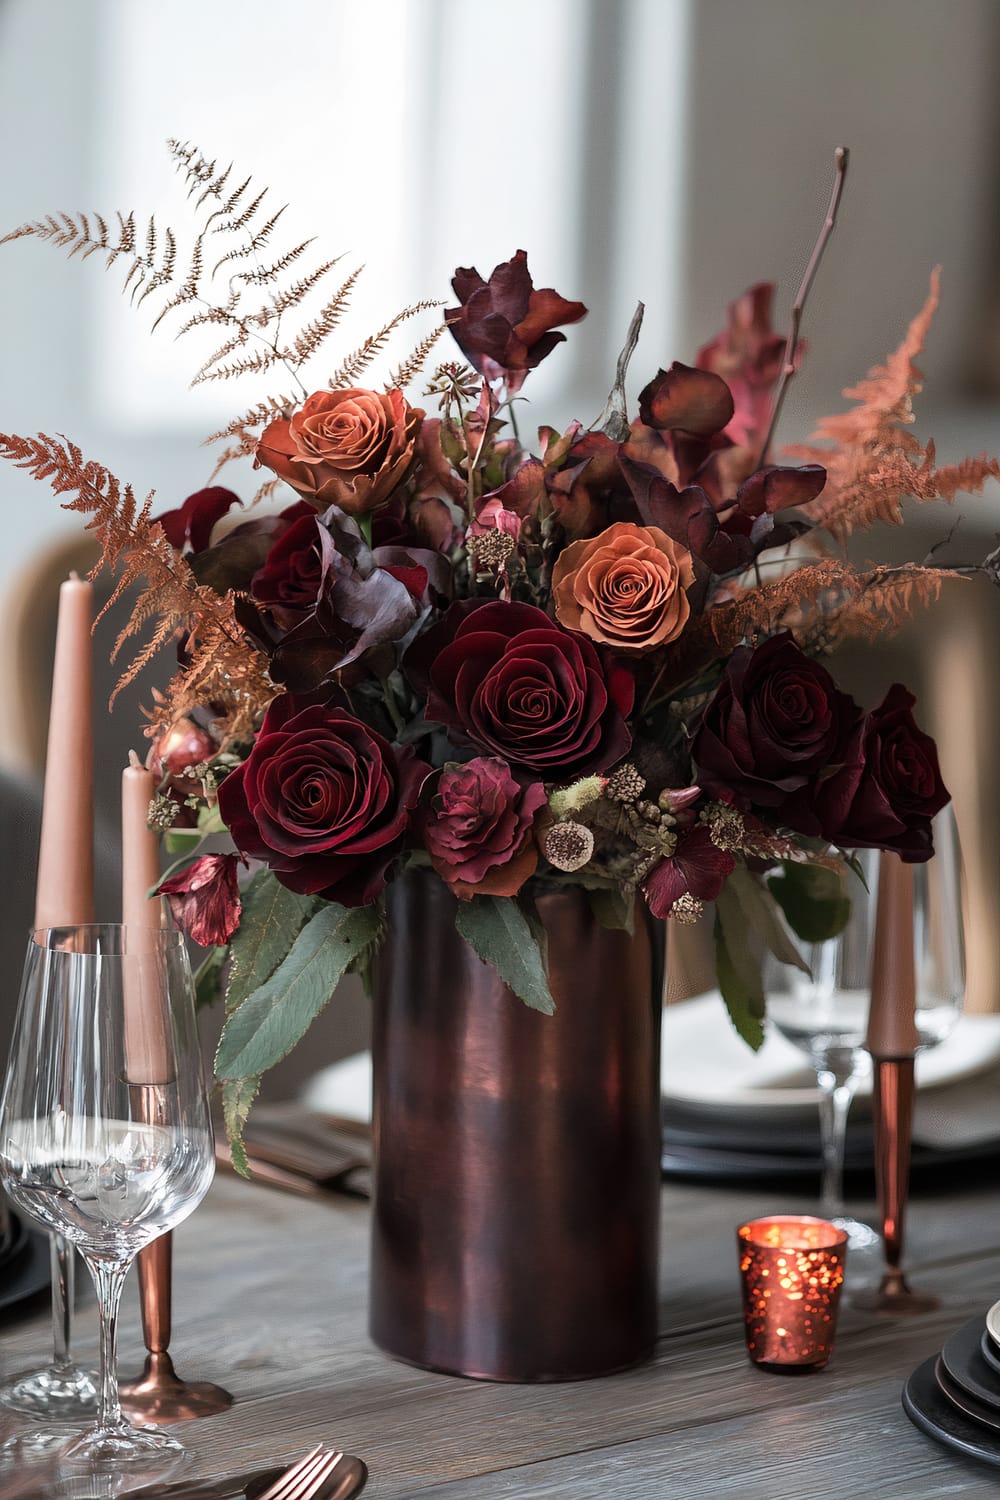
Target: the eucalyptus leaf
(182, 840)
(762, 917)
(813, 899)
(497, 929)
(238, 1095)
(271, 919)
(614, 908)
(266, 1026)
(737, 968)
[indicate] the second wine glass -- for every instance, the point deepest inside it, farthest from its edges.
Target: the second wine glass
(825, 1012)
(105, 1131)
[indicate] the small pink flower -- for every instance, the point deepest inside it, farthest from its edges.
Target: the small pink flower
(493, 517)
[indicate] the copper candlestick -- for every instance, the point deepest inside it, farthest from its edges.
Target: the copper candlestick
(159, 1395)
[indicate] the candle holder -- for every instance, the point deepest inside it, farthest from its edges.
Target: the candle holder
(159, 1395)
(792, 1271)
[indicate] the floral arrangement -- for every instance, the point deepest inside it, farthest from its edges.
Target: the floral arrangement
(596, 658)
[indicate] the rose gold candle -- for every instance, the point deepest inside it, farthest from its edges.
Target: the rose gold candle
(64, 893)
(148, 1048)
(792, 1270)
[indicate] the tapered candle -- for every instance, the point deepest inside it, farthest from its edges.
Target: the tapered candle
(892, 1027)
(148, 1051)
(64, 892)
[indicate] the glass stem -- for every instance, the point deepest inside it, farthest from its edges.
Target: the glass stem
(109, 1278)
(63, 1267)
(837, 1092)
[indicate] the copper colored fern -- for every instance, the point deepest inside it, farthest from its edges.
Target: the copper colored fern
(873, 461)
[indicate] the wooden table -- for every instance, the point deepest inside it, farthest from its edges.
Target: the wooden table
(270, 1297)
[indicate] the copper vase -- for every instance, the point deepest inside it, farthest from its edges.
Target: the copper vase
(517, 1155)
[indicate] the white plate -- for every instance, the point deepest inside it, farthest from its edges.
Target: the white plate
(705, 1062)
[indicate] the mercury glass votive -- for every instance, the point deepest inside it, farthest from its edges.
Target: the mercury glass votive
(792, 1270)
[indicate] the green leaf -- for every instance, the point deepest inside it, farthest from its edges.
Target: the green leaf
(737, 969)
(210, 821)
(762, 917)
(813, 899)
(496, 928)
(181, 840)
(207, 977)
(265, 1028)
(614, 908)
(238, 1095)
(271, 919)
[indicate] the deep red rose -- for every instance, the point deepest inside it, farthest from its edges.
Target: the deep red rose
(697, 868)
(504, 326)
(519, 686)
(290, 581)
(205, 899)
(890, 786)
(774, 723)
(478, 829)
(189, 527)
(323, 800)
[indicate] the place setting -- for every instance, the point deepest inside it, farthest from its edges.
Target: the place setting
(488, 735)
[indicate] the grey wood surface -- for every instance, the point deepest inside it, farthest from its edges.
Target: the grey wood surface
(270, 1297)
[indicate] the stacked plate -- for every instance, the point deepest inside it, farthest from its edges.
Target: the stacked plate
(729, 1113)
(955, 1396)
(24, 1259)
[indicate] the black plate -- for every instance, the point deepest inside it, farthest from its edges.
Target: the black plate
(990, 1352)
(926, 1407)
(985, 1415)
(27, 1274)
(963, 1360)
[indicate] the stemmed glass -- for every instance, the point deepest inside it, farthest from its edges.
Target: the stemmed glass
(825, 1013)
(62, 1389)
(105, 1131)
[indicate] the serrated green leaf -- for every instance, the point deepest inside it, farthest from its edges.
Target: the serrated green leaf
(813, 899)
(269, 1022)
(737, 969)
(496, 929)
(762, 917)
(208, 975)
(238, 1095)
(271, 919)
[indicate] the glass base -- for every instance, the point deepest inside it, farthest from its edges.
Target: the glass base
(65, 1393)
(104, 1448)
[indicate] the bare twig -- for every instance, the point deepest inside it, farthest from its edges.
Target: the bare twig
(614, 418)
(840, 159)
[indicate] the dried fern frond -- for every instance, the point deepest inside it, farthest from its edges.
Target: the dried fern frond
(875, 463)
(406, 372)
(356, 363)
(223, 666)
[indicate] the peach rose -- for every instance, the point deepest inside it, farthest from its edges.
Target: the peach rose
(350, 448)
(624, 588)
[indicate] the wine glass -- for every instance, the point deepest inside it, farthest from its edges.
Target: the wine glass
(825, 1013)
(105, 1131)
(62, 1389)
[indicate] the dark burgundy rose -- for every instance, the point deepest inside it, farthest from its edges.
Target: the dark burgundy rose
(774, 723)
(323, 800)
(889, 787)
(478, 829)
(290, 581)
(697, 868)
(205, 899)
(682, 399)
(517, 685)
(504, 326)
(189, 527)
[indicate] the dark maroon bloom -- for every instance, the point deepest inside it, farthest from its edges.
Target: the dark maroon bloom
(323, 800)
(697, 868)
(685, 400)
(776, 721)
(517, 685)
(478, 829)
(205, 899)
(189, 527)
(775, 488)
(290, 581)
(504, 326)
(889, 787)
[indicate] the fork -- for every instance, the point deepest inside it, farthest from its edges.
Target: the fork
(305, 1479)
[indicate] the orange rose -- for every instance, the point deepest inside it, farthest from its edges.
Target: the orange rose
(349, 448)
(624, 588)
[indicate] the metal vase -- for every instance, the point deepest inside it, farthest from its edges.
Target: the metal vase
(517, 1155)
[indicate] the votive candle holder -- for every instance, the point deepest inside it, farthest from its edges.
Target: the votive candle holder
(792, 1271)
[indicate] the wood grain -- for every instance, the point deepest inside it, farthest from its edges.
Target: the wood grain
(270, 1297)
